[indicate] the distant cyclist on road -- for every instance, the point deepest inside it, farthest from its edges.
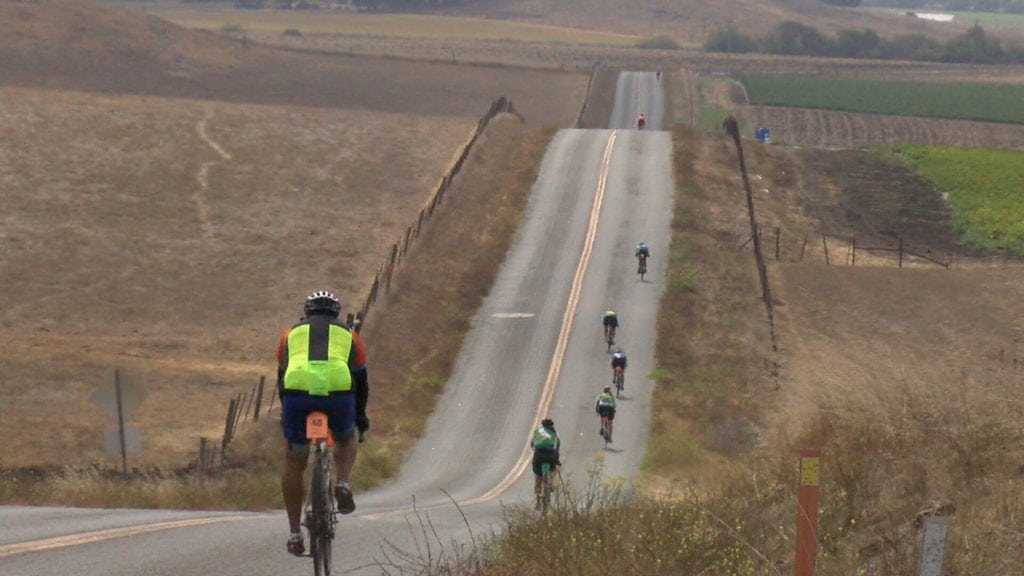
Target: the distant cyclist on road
(605, 408)
(610, 321)
(642, 253)
(545, 444)
(642, 250)
(321, 366)
(641, 121)
(619, 360)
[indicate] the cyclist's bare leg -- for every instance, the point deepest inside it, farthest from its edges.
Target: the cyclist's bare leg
(291, 486)
(345, 456)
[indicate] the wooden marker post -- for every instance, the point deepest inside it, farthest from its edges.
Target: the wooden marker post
(807, 516)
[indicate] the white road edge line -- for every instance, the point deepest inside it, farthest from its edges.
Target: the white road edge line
(109, 534)
(557, 358)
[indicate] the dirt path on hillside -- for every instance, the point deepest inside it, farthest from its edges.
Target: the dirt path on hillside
(203, 177)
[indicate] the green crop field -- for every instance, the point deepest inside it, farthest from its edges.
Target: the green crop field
(983, 102)
(985, 188)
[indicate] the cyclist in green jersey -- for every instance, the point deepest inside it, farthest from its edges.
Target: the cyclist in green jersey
(610, 321)
(605, 408)
(545, 444)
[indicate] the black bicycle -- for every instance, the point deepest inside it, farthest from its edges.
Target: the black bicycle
(606, 430)
(641, 268)
(321, 513)
(609, 334)
(545, 487)
(619, 379)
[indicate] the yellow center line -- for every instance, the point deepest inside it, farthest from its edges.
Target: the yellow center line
(555, 367)
(109, 534)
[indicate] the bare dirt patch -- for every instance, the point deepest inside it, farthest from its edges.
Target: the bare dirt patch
(833, 129)
(121, 51)
(846, 194)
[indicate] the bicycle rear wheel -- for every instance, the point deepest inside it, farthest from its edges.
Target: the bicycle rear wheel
(321, 531)
(545, 487)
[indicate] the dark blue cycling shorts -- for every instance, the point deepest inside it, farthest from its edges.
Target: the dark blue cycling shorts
(340, 410)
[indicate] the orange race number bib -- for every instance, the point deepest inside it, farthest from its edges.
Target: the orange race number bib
(316, 426)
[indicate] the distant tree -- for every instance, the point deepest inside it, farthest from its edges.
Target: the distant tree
(854, 44)
(845, 3)
(731, 41)
(974, 46)
(798, 39)
(660, 42)
(913, 47)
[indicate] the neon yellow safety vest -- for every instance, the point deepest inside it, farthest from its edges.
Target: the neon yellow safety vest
(318, 358)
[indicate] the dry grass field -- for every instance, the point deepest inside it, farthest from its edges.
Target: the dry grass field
(176, 238)
(351, 24)
(119, 51)
(171, 196)
(906, 379)
(166, 221)
(692, 20)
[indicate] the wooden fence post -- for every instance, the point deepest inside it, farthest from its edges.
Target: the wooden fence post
(259, 399)
(824, 243)
(248, 403)
(853, 250)
(201, 458)
(803, 248)
(228, 421)
(901, 251)
(405, 241)
(777, 233)
(238, 413)
(391, 268)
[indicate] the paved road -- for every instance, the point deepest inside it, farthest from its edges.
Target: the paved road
(535, 350)
(638, 92)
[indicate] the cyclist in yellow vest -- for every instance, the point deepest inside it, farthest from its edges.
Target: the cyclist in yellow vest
(321, 365)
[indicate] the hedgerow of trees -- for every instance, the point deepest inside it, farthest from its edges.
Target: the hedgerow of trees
(795, 39)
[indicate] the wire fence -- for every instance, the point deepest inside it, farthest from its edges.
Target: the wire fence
(398, 250)
(837, 250)
(247, 407)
